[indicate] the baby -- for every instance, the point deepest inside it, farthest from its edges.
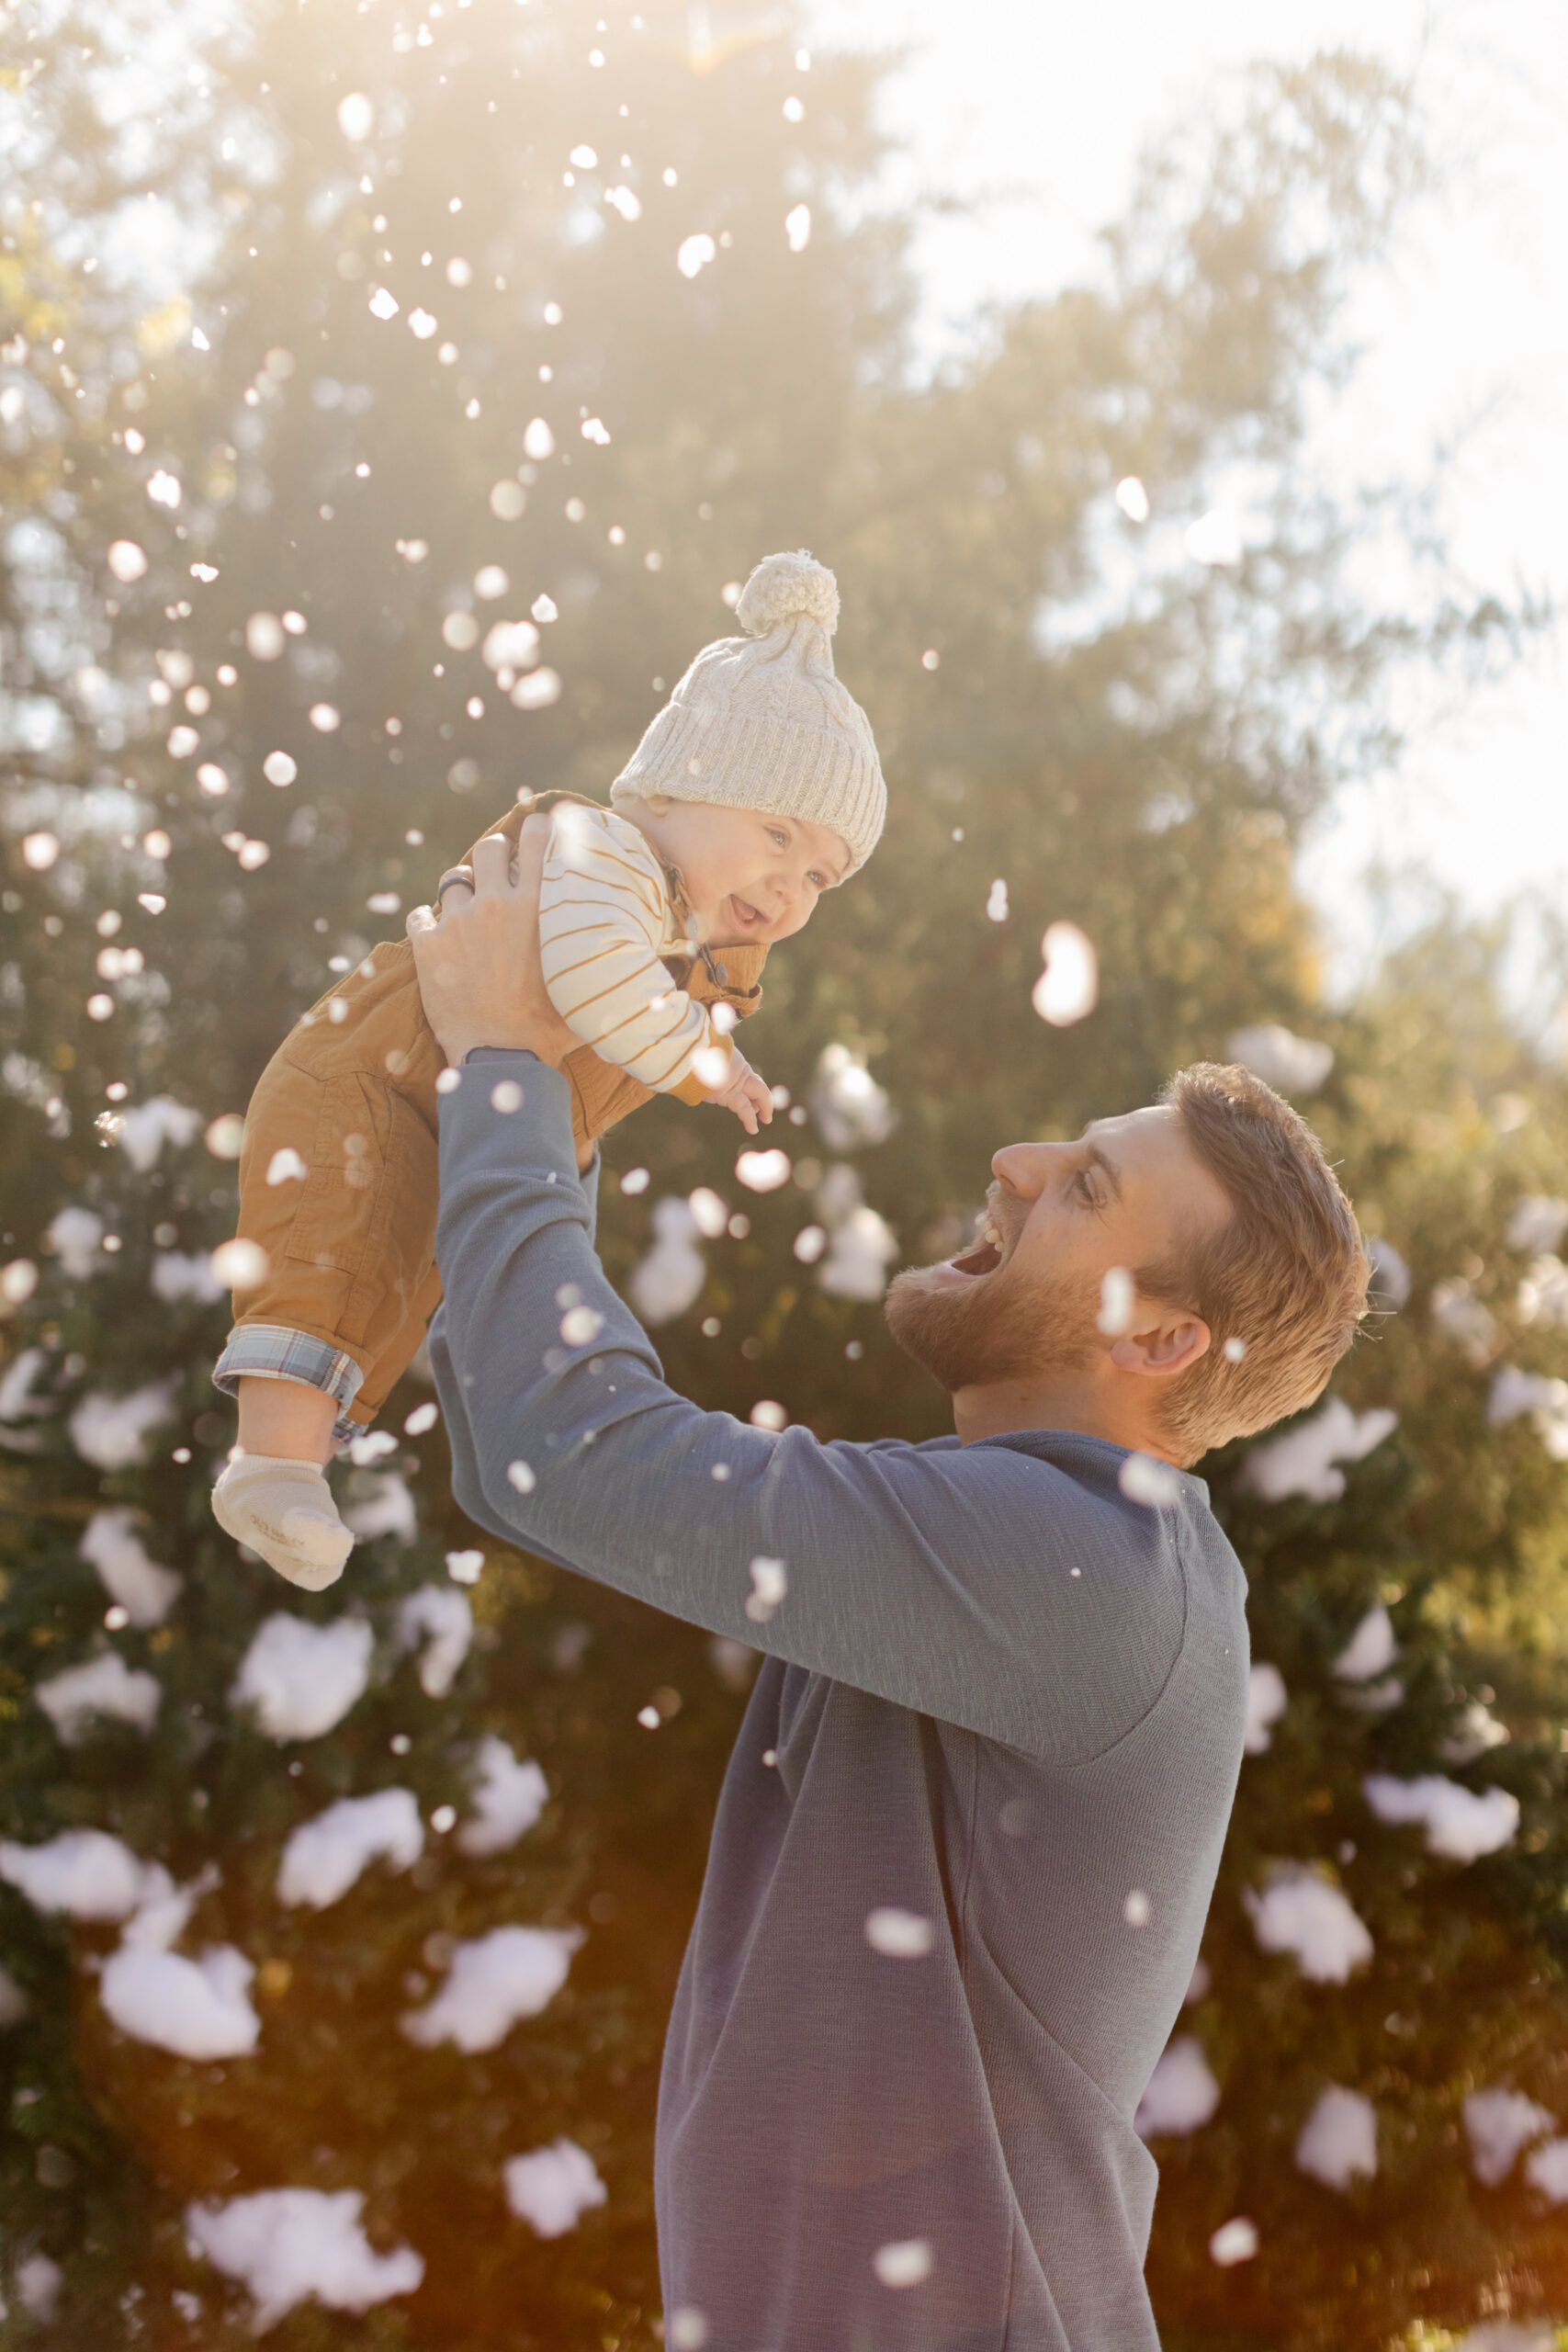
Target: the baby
(757, 787)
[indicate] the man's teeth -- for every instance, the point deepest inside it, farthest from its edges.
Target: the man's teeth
(988, 1232)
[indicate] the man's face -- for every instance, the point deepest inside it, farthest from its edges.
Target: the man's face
(1023, 1304)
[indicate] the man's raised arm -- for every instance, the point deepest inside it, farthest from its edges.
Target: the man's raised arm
(934, 1577)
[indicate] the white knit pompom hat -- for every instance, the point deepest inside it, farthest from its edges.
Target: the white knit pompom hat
(760, 721)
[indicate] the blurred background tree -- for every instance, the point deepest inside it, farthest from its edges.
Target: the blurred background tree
(506, 339)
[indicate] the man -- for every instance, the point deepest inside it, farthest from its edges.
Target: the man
(967, 1838)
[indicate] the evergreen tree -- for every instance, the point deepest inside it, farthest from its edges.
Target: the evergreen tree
(612, 386)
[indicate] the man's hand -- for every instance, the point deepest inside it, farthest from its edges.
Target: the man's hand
(749, 1096)
(480, 973)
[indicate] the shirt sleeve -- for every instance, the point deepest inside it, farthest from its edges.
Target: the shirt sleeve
(601, 921)
(939, 1578)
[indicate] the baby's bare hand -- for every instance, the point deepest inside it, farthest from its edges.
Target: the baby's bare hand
(746, 1094)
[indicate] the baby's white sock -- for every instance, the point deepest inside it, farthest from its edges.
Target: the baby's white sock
(284, 1510)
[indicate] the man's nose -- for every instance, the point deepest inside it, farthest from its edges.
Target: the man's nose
(1024, 1166)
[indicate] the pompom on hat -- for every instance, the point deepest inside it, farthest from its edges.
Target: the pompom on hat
(760, 721)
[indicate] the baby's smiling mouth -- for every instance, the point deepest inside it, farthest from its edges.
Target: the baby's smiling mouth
(746, 915)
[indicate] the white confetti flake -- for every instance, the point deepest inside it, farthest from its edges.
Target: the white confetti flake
(520, 1475)
(551, 2189)
(764, 1172)
(508, 1794)
(1339, 2141)
(325, 1856)
(506, 1095)
(286, 1165)
(423, 1418)
(240, 1264)
(1302, 1461)
(809, 1243)
(390, 1511)
(104, 1687)
(325, 716)
(1233, 2242)
(767, 1414)
(897, 1934)
(507, 498)
(624, 200)
(18, 1280)
(1136, 1909)
(76, 1237)
(770, 1582)
(1461, 1824)
(513, 1972)
(144, 1129)
(798, 228)
(1116, 1301)
(1154, 1483)
(1538, 1224)
(1301, 1914)
(584, 157)
(538, 442)
(903, 2262)
(302, 1678)
(544, 609)
(1281, 1059)
(164, 489)
(1132, 498)
(1068, 988)
(693, 253)
(669, 1278)
(39, 852)
(264, 640)
(442, 1620)
(115, 1433)
(84, 1873)
(133, 1581)
(289, 2245)
(537, 691)
(127, 561)
(1372, 1649)
(1267, 1699)
(1499, 2124)
(686, 2329)
(356, 118)
(383, 303)
(1391, 1282)
(195, 2009)
(1182, 2093)
(649, 1718)
(580, 1325)
(491, 581)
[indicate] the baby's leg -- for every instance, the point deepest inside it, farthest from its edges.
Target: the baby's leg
(272, 1494)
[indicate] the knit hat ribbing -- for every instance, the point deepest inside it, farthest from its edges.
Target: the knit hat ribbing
(760, 721)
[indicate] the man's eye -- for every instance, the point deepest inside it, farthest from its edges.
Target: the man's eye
(817, 881)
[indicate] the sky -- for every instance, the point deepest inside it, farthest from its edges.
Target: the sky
(1035, 112)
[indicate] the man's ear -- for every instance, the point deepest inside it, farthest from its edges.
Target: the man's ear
(1163, 1342)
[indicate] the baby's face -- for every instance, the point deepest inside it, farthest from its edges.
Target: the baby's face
(749, 874)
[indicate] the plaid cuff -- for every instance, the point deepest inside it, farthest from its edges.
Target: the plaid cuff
(271, 1351)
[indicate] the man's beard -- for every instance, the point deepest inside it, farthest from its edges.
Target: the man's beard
(993, 1331)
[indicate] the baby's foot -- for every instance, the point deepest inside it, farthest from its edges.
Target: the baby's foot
(284, 1510)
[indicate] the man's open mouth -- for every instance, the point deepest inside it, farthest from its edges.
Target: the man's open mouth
(988, 1253)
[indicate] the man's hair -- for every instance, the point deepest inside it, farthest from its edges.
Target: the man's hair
(1285, 1276)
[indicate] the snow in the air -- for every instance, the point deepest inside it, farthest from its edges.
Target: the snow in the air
(1499, 2124)
(302, 1678)
(145, 1591)
(1546, 2168)
(76, 1236)
(899, 1934)
(87, 1872)
(553, 2187)
(104, 1687)
(1339, 2141)
(1460, 1823)
(668, 1279)
(114, 1432)
(1266, 1699)
(1299, 1913)
(1303, 1461)
(492, 1982)
(1182, 2093)
(1290, 1063)
(143, 1131)
(851, 1111)
(289, 2245)
(326, 1854)
(197, 2008)
(1372, 1649)
(1154, 1483)
(389, 1509)
(437, 1620)
(508, 1796)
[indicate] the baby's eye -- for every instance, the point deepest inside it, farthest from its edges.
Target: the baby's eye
(776, 834)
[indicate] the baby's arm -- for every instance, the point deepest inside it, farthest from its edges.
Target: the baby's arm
(602, 916)
(742, 1091)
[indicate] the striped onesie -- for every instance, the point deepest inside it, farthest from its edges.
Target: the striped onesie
(607, 917)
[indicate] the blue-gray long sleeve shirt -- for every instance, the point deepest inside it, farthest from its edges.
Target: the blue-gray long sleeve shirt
(969, 1835)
